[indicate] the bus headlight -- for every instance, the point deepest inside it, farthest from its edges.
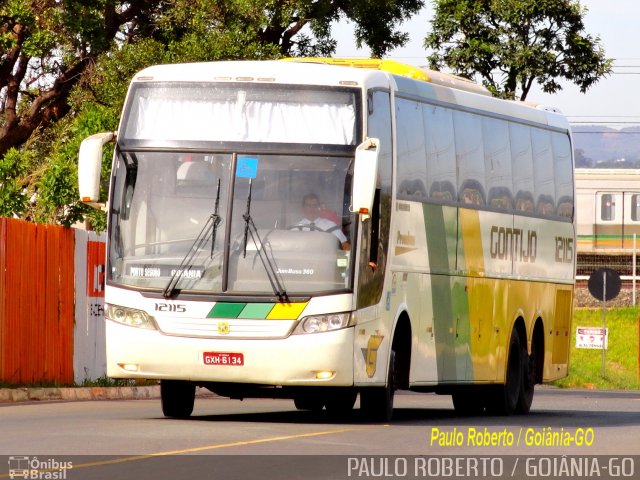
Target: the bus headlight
(323, 323)
(129, 316)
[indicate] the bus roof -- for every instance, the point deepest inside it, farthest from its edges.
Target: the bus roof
(363, 73)
(266, 71)
(402, 69)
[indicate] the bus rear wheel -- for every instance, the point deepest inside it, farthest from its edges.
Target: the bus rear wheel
(177, 397)
(469, 402)
(527, 385)
(376, 403)
(503, 400)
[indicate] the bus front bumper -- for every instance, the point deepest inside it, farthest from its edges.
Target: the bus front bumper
(298, 360)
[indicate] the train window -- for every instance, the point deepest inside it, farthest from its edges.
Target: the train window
(607, 207)
(635, 207)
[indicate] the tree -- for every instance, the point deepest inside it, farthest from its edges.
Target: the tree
(65, 67)
(510, 44)
(47, 45)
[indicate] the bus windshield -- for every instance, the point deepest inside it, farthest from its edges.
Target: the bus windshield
(231, 222)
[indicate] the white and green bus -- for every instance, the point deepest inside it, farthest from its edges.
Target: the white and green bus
(439, 255)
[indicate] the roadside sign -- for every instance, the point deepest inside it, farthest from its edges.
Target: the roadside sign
(604, 284)
(592, 337)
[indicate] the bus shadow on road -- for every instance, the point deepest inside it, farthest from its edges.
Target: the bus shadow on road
(436, 416)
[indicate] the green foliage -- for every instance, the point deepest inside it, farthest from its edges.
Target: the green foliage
(375, 22)
(13, 193)
(621, 358)
(58, 199)
(510, 44)
(72, 61)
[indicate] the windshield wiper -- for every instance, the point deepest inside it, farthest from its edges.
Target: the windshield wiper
(268, 263)
(211, 225)
(216, 218)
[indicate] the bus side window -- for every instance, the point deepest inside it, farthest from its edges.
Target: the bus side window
(443, 190)
(472, 193)
(500, 198)
(524, 202)
(545, 205)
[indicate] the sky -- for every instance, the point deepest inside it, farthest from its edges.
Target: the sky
(614, 100)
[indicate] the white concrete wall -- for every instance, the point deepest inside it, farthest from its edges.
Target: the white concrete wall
(89, 359)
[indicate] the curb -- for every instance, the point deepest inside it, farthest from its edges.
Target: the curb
(10, 395)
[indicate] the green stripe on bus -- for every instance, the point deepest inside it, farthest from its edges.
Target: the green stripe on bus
(226, 310)
(441, 295)
(256, 311)
(450, 302)
(434, 222)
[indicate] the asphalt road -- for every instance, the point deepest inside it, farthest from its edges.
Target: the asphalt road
(131, 439)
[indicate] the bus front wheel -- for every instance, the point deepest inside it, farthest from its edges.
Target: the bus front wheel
(341, 402)
(376, 403)
(314, 404)
(177, 398)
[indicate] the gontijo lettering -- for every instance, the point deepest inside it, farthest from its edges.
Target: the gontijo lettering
(515, 244)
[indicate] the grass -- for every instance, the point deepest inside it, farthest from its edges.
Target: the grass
(621, 370)
(103, 381)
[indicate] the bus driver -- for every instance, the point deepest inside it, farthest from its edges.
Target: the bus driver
(312, 220)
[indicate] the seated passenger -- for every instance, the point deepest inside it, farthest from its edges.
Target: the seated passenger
(313, 221)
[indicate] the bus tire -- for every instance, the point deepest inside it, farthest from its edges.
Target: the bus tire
(341, 402)
(469, 402)
(314, 404)
(528, 383)
(376, 403)
(177, 398)
(504, 398)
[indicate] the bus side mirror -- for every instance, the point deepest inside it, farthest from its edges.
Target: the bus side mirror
(365, 171)
(89, 163)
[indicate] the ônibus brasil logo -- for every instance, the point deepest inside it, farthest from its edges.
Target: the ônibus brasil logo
(38, 469)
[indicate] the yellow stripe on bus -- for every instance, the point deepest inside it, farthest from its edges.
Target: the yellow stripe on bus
(286, 311)
(472, 241)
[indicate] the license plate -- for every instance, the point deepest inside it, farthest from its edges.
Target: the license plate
(223, 358)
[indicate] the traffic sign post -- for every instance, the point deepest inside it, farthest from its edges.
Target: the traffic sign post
(604, 284)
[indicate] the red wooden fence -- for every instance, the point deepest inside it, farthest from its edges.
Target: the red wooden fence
(36, 303)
